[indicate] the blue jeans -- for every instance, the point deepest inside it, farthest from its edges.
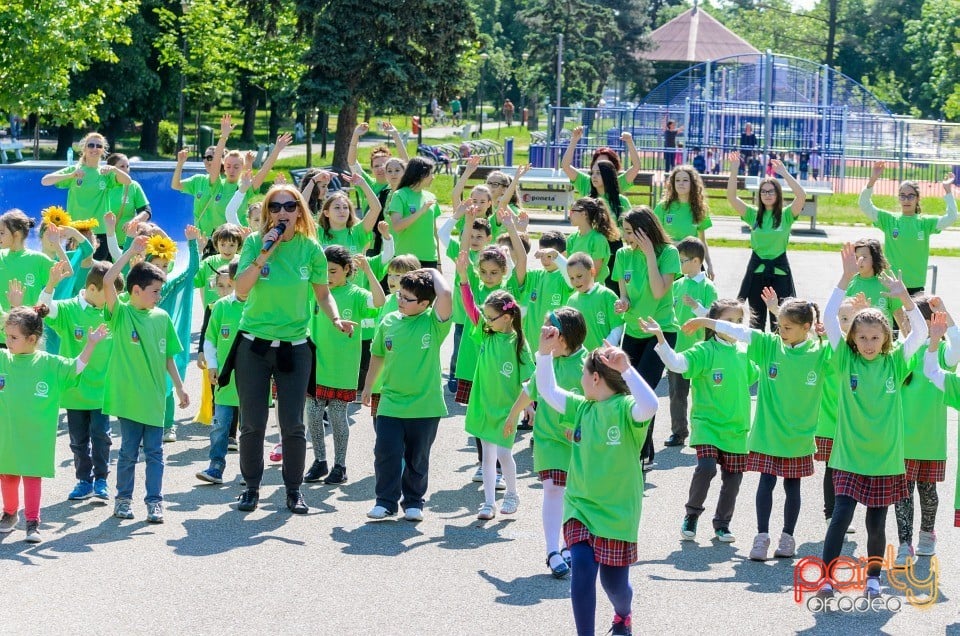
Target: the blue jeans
(223, 418)
(131, 434)
(90, 443)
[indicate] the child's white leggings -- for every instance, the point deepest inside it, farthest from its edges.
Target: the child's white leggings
(492, 453)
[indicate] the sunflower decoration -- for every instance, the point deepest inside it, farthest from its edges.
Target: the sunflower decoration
(159, 246)
(55, 215)
(86, 225)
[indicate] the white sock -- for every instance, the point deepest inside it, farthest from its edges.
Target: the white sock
(508, 466)
(552, 514)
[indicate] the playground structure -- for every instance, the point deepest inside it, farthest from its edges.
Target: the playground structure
(794, 106)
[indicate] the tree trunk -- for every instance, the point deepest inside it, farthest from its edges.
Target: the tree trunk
(833, 8)
(249, 100)
(113, 130)
(274, 124)
(308, 129)
(65, 140)
(346, 122)
(149, 136)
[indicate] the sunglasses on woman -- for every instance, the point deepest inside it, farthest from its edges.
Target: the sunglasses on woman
(93, 144)
(286, 206)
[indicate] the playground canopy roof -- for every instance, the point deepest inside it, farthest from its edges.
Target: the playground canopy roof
(695, 36)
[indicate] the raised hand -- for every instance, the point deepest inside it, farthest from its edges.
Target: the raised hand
(362, 129)
(14, 293)
(576, 134)
(191, 233)
(860, 301)
(384, 228)
(226, 125)
(895, 286)
(463, 263)
(877, 171)
(110, 221)
(651, 327)
(284, 140)
(616, 359)
(948, 183)
(98, 334)
(549, 340)
(183, 155)
(693, 325)
(626, 137)
(546, 252)
(778, 167)
(59, 272)
(848, 256)
(139, 245)
(734, 158)
(938, 326)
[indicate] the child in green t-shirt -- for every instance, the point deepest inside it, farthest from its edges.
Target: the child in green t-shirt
(594, 232)
(88, 425)
(692, 294)
(551, 453)
(947, 382)
(604, 493)
(144, 345)
(871, 263)
(596, 302)
(411, 404)
(721, 375)
(338, 360)
(227, 240)
(221, 325)
(545, 290)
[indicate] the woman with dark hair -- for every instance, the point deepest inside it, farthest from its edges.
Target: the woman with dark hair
(413, 211)
(769, 237)
(126, 200)
(589, 183)
(281, 268)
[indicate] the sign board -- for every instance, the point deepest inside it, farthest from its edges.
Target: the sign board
(538, 198)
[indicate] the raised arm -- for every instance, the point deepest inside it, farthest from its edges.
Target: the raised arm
(799, 194)
(397, 140)
(233, 206)
(373, 203)
(508, 221)
(461, 184)
(226, 127)
(634, 155)
(733, 197)
(566, 162)
(175, 181)
(466, 292)
(931, 362)
(918, 326)
(950, 217)
(951, 353)
(358, 132)
(865, 203)
(109, 291)
(282, 142)
(831, 313)
(512, 188)
(645, 400)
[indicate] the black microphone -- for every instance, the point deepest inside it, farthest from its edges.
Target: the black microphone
(281, 227)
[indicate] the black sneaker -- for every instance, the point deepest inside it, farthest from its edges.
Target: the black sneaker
(316, 472)
(688, 529)
(621, 625)
(337, 476)
(675, 440)
(247, 500)
(295, 502)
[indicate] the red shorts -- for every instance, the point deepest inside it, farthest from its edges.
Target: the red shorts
(824, 448)
(926, 470)
(730, 462)
(612, 552)
(558, 476)
(871, 491)
(463, 391)
(787, 467)
(344, 395)
(374, 403)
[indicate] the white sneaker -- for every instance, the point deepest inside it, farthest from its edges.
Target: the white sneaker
(413, 514)
(787, 547)
(761, 543)
(927, 545)
(904, 556)
(487, 512)
(501, 483)
(8, 522)
(510, 503)
(478, 476)
(379, 513)
(170, 434)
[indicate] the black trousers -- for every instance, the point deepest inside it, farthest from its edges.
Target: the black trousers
(650, 367)
(401, 459)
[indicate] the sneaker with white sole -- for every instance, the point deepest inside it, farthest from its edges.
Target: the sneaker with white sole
(211, 475)
(379, 513)
(101, 491)
(688, 529)
(122, 509)
(170, 435)
(83, 490)
(413, 514)
(724, 535)
(787, 547)
(487, 512)
(904, 556)
(232, 444)
(8, 522)
(510, 503)
(33, 532)
(927, 545)
(155, 512)
(478, 476)
(501, 482)
(761, 544)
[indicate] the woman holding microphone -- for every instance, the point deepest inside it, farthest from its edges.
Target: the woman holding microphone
(280, 267)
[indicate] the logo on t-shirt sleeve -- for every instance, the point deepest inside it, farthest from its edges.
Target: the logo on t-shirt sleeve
(773, 371)
(134, 337)
(854, 382)
(717, 377)
(224, 332)
(78, 333)
(388, 343)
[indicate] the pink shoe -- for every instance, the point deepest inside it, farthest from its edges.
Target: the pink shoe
(276, 455)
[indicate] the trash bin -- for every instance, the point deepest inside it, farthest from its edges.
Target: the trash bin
(508, 151)
(205, 138)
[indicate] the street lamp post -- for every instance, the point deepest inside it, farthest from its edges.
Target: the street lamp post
(185, 6)
(523, 98)
(483, 66)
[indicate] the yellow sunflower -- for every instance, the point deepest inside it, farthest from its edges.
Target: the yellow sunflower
(85, 225)
(160, 246)
(55, 215)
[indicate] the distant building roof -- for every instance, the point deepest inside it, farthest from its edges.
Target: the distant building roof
(694, 36)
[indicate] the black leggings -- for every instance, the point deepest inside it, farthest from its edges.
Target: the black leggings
(829, 500)
(650, 367)
(782, 284)
(929, 502)
(764, 502)
(840, 521)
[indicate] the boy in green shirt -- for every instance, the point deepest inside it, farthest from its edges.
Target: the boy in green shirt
(596, 302)
(411, 405)
(144, 344)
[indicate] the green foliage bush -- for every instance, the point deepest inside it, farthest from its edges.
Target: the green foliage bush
(167, 138)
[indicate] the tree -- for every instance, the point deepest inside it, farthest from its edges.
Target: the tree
(385, 54)
(932, 43)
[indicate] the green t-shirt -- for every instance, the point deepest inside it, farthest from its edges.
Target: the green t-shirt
(788, 396)
(704, 292)
(353, 238)
(496, 385)
(631, 268)
(829, 403)
(71, 323)
(405, 343)
(677, 220)
(89, 196)
(30, 268)
(869, 439)
(720, 377)
(379, 267)
(206, 278)
(583, 186)
(143, 340)
(951, 397)
(278, 306)
(468, 351)
(604, 481)
(222, 330)
(542, 293)
(124, 201)
(551, 450)
(598, 308)
(924, 411)
(453, 252)
(768, 241)
(907, 243)
(596, 245)
(873, 289)
(388, 308)
(31, 387)
(338, 355)
(419, 238)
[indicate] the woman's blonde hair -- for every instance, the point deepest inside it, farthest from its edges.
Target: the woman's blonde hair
(304, 223)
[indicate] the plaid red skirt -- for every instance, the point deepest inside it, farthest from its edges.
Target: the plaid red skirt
(787, 467)
(344, 395)
(926, 470)
(730, 462)
(871, 491)
(558, 476)
(463, 391)
(956, 518)
(612, 552)
(374, 403)
(824, 448)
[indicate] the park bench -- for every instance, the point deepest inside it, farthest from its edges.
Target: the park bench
(11, 145)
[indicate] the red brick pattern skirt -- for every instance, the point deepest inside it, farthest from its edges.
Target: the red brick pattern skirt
(613, 552)
(787, 467)
(871, 491)
(558, 476)
(730, 462)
